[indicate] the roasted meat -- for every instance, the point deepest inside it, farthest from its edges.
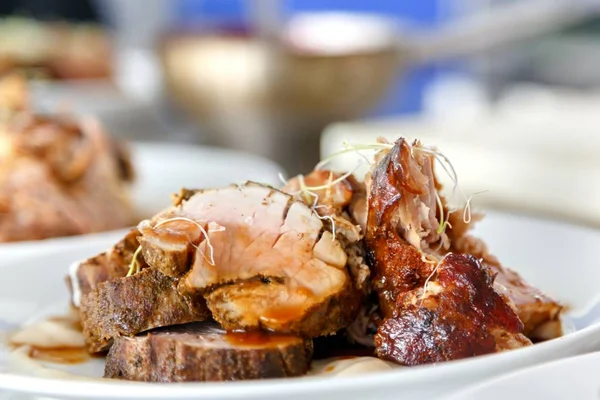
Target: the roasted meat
(130, 305)
(458, 315)
(540, 313)
(261, 259)
(114, 263)
(436, 306)
(382, 263)
(58, 177)
(205, 352)
(340, 200)
(334, 198)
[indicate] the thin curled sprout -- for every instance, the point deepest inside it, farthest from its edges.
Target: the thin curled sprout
(208, 244)
(329, 184)
(315, 205)
(306, 191)
(425, 259)
(350, 148)
(282, 178)
(442, 224)
(134, 266)
(431, 276)
(442, 160)
(326, 217)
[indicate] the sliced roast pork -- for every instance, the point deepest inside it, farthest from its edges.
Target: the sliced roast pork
(59, 177)
(130, 305)
(261, 259)
(341, 200)
(84, 276)
(205, 352)
(336, 199)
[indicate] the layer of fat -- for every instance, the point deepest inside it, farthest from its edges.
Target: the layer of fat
(75, 286)
(48, 334)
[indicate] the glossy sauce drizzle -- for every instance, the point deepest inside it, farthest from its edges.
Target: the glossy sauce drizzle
(259, 338)
(59, 354)
(284, 313)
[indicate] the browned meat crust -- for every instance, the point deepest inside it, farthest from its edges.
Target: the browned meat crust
(435, 307)
(539, 312)
(261, 260)
(134, 304)
(107, 266)
(204, 352)
(464, 317)
(324, 318)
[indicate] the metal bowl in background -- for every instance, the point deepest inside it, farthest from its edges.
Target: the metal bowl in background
(274, 96)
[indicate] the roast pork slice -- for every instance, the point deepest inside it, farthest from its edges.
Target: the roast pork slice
(85, 276)
(261, 260)
(134, 304)
(205, 352)
(60, 177)
(539, 312)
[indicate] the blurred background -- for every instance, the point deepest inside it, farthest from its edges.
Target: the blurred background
(508, 89)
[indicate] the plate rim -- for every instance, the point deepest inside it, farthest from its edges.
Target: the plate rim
(99, 388)
(526, 370)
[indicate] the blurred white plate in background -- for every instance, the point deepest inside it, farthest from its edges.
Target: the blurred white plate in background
(546, 166)
(163, 169)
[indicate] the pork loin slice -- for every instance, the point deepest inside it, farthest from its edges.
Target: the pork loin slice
(134, 304)
(60, 177)
(261, 259)
(539, 312)
(205, 352)
(114, 263)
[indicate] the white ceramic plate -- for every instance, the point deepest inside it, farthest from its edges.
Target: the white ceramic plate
(163, 169)
(559, 258)
(573, 378)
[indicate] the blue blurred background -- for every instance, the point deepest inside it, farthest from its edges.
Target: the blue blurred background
(406, 94)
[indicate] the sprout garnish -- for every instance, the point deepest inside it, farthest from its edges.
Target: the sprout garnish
(134, 266)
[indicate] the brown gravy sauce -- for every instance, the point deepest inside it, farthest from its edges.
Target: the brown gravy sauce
(58, 340)
(59, 354)
(259, 338)
(284, 314)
